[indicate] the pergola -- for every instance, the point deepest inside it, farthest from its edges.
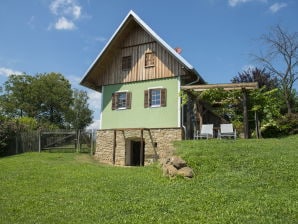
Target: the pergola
(228, 87)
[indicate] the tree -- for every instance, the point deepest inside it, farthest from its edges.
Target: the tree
(282, 60)
(79, 116)
(263, 102)
(53, 97)
(17, 98)
(45, 97)
(261, 76)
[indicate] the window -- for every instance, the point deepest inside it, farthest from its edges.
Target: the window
(121, 100)
(149, 59)
(126, 63)
(155, 97)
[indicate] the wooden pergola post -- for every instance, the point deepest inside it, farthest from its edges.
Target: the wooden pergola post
(245, 114)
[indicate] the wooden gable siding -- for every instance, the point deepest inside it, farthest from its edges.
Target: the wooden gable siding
(136, 43)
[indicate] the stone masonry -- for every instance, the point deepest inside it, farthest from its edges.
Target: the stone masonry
(157, 141)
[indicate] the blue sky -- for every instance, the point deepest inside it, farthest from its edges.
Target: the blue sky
(65, 36)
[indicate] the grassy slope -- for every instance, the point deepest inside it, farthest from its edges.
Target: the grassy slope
(243, 181)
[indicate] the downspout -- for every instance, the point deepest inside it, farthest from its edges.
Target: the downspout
(182, 112)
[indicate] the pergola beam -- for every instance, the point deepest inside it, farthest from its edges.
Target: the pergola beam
(227, 87)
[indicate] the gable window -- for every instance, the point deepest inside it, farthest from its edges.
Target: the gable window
(156, 97)
(149, 59)
(121, 100)
(126, 63)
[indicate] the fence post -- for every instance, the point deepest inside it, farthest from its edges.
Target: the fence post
(78, 140)
(39, 141)
(17, 144)
(93, 141)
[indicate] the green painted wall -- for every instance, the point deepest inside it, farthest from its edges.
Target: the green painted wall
(138, 116)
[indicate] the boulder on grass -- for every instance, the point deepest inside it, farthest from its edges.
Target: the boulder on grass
(169, 170)
(186, 172)
(177, 162)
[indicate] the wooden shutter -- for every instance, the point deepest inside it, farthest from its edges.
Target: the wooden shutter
(128, 100)
(149, 59)
(163, 97)
(114, 101)
(146, 98)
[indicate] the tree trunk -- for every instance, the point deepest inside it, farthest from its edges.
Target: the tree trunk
(289, 107)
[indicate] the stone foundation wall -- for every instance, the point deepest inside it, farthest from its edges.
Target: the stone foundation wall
(158, 144)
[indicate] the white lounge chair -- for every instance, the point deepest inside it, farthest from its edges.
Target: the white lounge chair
(227, 130)
(206, 132)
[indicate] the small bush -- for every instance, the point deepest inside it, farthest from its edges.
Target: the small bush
(271, 130)
(286, 125)
(289, 124)
(7, 129)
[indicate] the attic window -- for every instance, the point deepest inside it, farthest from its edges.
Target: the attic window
(126, 63)
(149, 59)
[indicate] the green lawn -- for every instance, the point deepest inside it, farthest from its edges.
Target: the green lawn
(243, 181)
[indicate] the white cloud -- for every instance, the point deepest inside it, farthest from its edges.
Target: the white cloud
(66, 8)
(94, 100)
(76, 11)
(67, 12)
(95, 105)
(7, 71)
(277, 6)
(234, 3)
(94, 125)
(64, 24)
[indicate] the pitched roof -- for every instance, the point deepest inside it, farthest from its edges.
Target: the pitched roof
(133, 16)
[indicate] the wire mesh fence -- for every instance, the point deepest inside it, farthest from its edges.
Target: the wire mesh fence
(82, 141)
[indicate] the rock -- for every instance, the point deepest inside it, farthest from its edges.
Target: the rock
(171, 170)
(164, 161)
(177, 162)
(174, 165)
(186, 172)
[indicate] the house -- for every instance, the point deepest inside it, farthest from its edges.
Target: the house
(140, 78)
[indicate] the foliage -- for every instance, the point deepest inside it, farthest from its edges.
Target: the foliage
(54, 95)
(243, 181)
(44, 97)
(285, 125)
(227, 104)
(79, 115)
(184, 97)
(271, 130)
(289, 124)
(265, 103)
(261, 76)
(7, 130)
(26, 123)
(281, 60)
(17, 100)
(265, 100)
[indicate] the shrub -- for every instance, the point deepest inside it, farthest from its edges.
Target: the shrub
(270, 130)
(7, 129)
(288, 124)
